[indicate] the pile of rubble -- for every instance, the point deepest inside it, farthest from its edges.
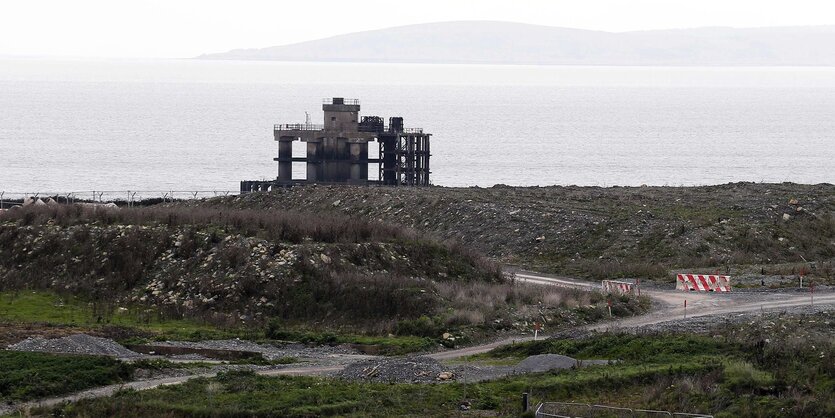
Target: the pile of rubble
(544, 362)
(76, 344)
(398, 370)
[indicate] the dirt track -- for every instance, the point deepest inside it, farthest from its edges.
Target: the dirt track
(670, 307)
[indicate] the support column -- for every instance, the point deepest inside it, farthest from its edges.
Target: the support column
(358, 156)
(426, 156)
(314, 161)
(285, 158)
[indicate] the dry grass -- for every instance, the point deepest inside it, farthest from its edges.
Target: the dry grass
(282, 226)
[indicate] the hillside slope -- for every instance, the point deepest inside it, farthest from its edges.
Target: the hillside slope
(232, 267)
(282, 271)
(485, 42)
(598, 232)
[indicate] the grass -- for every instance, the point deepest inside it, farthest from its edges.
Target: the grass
(281, 226)
(618, 347)
(422, 334)
(246, 394)
(50, 308)
(731, 373)
(28, 376)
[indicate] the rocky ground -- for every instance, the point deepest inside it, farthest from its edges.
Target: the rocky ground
(429, 370)
(358, 367)
(233, 268)
(601, 232)
(76, 344)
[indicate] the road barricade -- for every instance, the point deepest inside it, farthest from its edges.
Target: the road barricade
(703, 282)
(617, 286)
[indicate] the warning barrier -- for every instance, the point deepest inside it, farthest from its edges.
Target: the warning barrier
(703, 282)
(616, 286)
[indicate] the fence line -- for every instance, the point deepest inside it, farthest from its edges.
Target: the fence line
(129, 196)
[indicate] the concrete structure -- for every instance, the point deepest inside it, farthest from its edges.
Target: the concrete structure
(337, 151)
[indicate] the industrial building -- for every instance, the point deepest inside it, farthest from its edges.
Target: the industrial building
(337, 150)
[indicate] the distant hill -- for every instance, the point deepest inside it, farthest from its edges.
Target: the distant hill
(482, 42)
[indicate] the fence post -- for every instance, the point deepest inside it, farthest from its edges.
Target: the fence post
(525, 404)
(812, 293)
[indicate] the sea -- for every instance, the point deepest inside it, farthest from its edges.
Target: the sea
(183, 126)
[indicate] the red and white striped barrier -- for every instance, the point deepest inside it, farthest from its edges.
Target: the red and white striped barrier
(703, 282)
(615, 286)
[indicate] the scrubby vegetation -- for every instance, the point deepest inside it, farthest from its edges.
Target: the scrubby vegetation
(25, 376)
(230, 267)
(207, 273)
(602, 232)
(779, 366)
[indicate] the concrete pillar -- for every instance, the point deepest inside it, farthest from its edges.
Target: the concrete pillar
(355, 156)
(314, 161)
(285, 158)
(426, 161)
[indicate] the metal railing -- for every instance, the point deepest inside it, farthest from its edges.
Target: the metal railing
(298, 127)
(319, 127)
(352, 102)
(582, 410)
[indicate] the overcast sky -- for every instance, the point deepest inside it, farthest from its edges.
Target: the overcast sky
(186, 28)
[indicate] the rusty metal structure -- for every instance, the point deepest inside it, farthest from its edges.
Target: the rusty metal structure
(337, 151)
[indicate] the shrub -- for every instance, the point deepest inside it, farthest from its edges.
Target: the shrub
(35, 375)
(742, 376)
(421, 327)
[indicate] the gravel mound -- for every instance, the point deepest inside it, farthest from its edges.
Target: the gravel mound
(544, 362)
(400, 370)
(76, 344)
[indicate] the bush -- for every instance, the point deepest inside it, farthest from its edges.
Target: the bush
(421, 327)
(742, 376)
(36, 375)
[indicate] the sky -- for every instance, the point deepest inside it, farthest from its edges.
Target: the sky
(187, 28)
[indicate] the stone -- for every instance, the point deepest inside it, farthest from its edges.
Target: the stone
(786, 216)
(446, 376)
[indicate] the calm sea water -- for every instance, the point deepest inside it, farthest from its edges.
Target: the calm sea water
(69, 125)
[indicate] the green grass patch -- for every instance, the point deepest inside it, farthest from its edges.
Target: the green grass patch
(50, 308)
(619, 347)
(384, 345)
(724, 376)
(246, 394)
(28, 376)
